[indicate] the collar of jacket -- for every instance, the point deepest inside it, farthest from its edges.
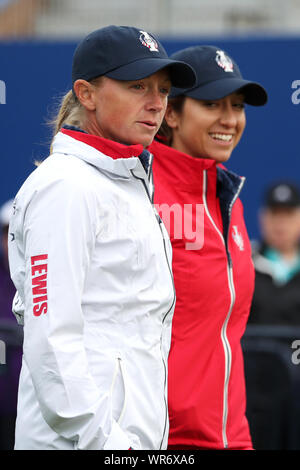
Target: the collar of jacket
(117, 159)
(229, 186)
(187, 169)
(181, 167)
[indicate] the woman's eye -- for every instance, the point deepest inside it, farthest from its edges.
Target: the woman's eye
(239, 105)
(210, 104)
(137, 86)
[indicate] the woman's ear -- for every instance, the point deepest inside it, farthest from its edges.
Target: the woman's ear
(171, 117)
(85, 94)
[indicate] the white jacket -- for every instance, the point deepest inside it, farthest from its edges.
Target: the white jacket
(90, 260)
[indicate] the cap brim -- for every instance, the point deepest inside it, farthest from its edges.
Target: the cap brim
(282, 205)
(254, 93)
(182, 75)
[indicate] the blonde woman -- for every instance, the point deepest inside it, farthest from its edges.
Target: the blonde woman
(90, 260)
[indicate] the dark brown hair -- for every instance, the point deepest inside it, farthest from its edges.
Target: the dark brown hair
(165, 133)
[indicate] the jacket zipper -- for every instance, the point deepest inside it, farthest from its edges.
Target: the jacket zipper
(165, 316)
(224, 338)
(159, 221)
(227, 350)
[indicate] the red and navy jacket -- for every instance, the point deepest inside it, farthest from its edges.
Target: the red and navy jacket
(214, 282)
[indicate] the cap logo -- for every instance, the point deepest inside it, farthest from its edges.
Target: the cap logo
(224, 61)
(282, 193)
(238, 238)
(148, 41)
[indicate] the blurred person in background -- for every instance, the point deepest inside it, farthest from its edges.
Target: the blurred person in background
(91, 260)
(276, 258)
(9, 372)
(214, 280)
(272, 379)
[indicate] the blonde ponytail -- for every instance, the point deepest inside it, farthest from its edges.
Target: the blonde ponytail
(70, 112)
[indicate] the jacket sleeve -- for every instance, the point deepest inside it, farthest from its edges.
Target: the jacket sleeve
(58, 239)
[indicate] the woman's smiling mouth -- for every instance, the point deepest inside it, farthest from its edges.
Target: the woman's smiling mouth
(221, 137)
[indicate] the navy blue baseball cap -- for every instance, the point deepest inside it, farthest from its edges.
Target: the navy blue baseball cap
(126, 53)
(218, 76)
(282, 194)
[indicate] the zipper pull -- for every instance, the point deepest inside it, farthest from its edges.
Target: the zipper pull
(229, 259)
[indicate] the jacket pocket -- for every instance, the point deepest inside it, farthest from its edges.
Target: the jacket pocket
(118, 390)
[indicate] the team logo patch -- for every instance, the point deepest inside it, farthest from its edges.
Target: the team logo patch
(224, 61)
(237, 237)
(148, 41)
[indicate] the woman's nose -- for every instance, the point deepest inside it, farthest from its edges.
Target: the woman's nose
(156, 101)
(228, 116)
